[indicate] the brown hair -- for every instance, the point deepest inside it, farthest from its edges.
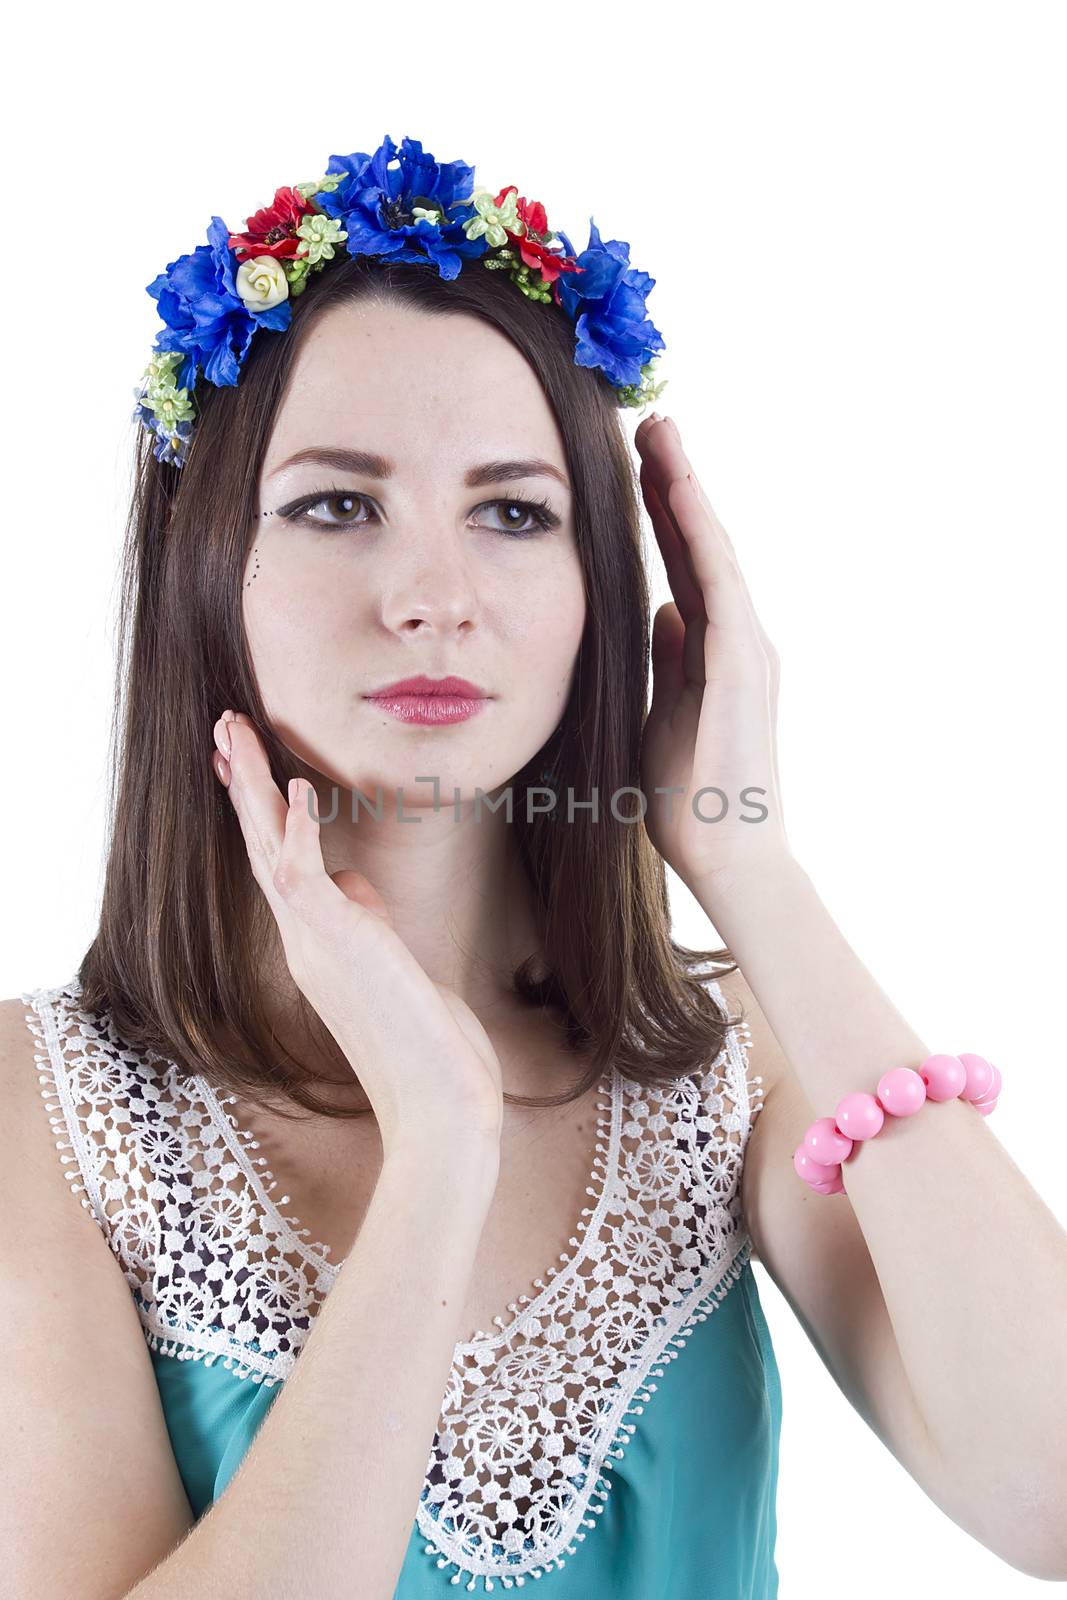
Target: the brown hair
(184, 927)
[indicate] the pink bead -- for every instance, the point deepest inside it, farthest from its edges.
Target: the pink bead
(835, 1186)
(825, 1144)
(945, 1077)
(985, 1107)
(901, 1091)
(813, 1171)
(991, 1093)
(859, 1116)
(979, 1077)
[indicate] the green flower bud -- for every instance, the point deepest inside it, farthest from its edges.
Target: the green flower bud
(644, 393)
(297, 269)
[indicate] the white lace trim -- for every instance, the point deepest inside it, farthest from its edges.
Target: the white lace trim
(534, 1415)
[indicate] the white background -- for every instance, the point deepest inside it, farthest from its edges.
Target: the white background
(855, 217)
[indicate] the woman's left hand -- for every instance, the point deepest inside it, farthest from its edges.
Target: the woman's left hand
(711, 723)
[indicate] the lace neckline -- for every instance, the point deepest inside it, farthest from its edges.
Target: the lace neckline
(536, 1416)
(241, 1142)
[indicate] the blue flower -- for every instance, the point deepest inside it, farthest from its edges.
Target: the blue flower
(607, 301)
(411, 212)
(205, 317)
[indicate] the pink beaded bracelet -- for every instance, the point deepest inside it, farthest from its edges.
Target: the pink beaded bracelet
(901, 1091)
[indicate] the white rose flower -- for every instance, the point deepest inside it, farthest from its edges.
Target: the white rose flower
(261, 283)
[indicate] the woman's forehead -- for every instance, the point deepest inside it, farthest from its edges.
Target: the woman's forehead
(440, 395)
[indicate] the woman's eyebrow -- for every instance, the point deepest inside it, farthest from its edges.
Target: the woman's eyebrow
(370, 465)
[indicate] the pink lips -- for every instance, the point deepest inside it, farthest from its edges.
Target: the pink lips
(430, 700)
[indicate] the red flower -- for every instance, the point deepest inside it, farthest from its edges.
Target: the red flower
(532, 245)
(272, 231)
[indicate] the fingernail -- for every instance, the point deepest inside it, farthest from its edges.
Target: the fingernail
(655, 417)
(223, 770)
(222, 738)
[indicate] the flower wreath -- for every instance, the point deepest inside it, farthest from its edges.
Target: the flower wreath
(403, 206)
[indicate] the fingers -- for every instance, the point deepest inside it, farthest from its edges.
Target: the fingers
(661, 446)
(301, 852)
(256, 799)
(680, 574)
(282, 837)
(668, 657)
(686, 526)
(282, 840)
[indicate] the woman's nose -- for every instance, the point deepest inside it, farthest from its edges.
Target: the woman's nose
(437, 589)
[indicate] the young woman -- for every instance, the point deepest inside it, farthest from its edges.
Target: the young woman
(391, 820)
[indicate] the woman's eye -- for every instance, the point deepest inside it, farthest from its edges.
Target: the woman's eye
(540, 514)
(299, 513)
(520, 518)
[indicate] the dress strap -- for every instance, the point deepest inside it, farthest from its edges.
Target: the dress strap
(96, 1098)
(148, 1159)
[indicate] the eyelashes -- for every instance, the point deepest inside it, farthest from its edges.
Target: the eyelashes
(297, 513)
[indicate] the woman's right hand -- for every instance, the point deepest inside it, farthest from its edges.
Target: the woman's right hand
(421, 1055)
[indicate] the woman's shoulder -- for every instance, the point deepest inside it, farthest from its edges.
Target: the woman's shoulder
(59, 1060)
(18, 1079)
(29, 1040)
(36, 1156)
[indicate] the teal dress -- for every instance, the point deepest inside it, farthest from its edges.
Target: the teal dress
(616, 1439)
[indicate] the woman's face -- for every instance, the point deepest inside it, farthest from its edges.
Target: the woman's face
(405, 566)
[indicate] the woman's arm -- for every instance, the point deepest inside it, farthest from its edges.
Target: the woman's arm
(324, 1502)
(954, 1346)
(972, 1265)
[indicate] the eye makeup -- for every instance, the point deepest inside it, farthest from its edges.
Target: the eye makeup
(296, 512)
